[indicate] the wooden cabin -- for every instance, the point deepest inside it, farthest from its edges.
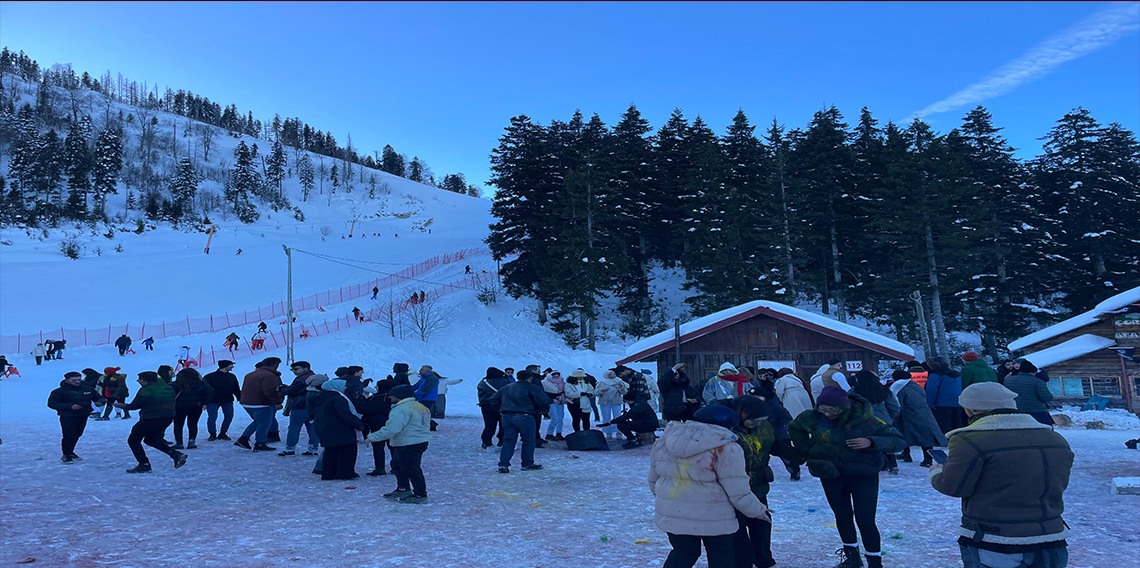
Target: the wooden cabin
(766, 334)
(1091, 354)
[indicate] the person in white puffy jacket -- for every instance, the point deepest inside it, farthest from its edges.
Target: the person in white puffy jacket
(579, 400)
(698, 478)
(791, 392)
(609, 393)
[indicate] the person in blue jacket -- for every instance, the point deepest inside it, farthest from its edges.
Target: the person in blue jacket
(943, 387)
(427, 390)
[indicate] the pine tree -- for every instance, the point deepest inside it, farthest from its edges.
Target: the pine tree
(245, 182)
(335, 179)
(391, 162)
(183, 188)
(48, 175)
(637, 213)
(305, 174)
(78, 161)
(105, 170)
(275, 167)
(416, 170)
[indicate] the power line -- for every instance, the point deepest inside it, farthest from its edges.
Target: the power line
(338, 261)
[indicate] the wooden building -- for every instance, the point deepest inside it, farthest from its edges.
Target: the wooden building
(766, 334)
(1091, 354)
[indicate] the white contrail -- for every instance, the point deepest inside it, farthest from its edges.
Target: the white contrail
(1094, 32)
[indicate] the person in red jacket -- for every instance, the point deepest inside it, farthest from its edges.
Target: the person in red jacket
(261, 396)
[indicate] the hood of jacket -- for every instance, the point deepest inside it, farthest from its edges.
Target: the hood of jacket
(400, 368)
(687, 439)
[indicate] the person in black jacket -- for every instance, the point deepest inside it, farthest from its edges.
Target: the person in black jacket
(491, 384)
(374, 412)
(123, 343)
(639, 419)
(518, 403)
(226, 390)
(337, 424)
(678, 395)
(72, 401)
(297, 409)
(192, 394)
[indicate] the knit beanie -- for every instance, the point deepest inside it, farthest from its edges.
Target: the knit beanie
(971, 356)
(402, 391)
(987, 396)
(900, 375)
(718, 415)
(110, 371)
(833, 396)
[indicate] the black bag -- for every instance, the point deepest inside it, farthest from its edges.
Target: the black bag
(587, 441)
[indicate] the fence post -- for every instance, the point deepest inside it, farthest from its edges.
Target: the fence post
(84, 336)
(164, 330)
(61, 335)
(211, 323)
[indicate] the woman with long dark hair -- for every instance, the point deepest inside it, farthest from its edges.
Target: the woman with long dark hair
(884, 403)
(192, 394)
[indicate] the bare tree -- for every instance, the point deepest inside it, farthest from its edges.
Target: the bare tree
(388, 315)
(427, 317)
(208, 136)
(325, 232)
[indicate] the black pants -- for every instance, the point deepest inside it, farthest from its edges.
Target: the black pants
(430, 404)
(407, 465)
(752, 544)
(72, 427)
(628, 429)
(579, 419)
(122, 351)
(686, 414)
(949, 417)
(687, 550)
(491, 419)
(339, 462)
(110, 407)
(862, 491)
(378, 458)
(538, 441)
(39, 360)
(190, 417)
(149, 431)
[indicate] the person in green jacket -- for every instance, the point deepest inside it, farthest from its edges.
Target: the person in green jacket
(752, 544)
(845, 446)
(976, 371)
(155, 403)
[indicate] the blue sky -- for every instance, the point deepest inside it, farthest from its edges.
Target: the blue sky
(441, 80)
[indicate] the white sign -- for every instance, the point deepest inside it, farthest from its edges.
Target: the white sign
(854, 366)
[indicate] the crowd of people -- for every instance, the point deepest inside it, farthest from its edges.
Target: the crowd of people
(709, 469)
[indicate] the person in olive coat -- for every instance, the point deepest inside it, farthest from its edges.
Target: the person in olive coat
(192, 394)
(337, 424)
(155, 403)
(72, 401)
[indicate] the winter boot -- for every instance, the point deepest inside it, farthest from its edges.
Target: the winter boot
(212, 438)
(377, 473)
(795, 475)
(558, 437)
(850, 556)
(66, 460)
(532, 467)
(550, 437)
(504, 470)
(398, 493)
(140, 468)
(177, 446)
(243, 442)
(223, 436)
(905, 456)
(179, 459)
(262, 448)
(634, 443)
(74, 457)
(192, 444)
(273, 437)
(287, 453)
(874, 561)
(414, 499)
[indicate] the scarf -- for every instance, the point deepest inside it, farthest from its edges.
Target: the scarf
(558, 382)
(738, 383)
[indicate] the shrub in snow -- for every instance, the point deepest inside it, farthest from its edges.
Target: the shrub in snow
(71, 248)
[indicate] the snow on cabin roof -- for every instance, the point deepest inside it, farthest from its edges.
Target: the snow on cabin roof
(1071, 349)
(1110, 305)
(816, 322)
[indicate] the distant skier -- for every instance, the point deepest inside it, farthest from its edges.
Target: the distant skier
(231, 342)
(183, 358)
(423, 296)
(123, 343)
(239, 252)
(3, 365)
(375, 291)
(356, 314)
(72, 401)
(262, 327)
(148, 343)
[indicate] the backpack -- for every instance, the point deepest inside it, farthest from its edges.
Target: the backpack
(587, 441)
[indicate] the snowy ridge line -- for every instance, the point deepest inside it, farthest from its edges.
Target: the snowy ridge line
(277, 340)
(21, 342)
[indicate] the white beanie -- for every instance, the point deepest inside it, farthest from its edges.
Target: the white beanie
(728, 367)
(987, 396)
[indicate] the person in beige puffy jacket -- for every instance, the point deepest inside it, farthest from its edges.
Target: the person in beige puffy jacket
(697, 475)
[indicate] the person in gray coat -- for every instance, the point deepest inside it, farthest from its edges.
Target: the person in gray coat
(915, 420)
(1033, 394)
(883, 403)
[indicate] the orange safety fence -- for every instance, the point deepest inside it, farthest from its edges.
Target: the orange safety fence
(23, 342)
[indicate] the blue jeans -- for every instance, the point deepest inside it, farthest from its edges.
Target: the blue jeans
(1048, 558)
(212, 417)
(515, 425)
(261, 416)
(557, 416)
(300, 417)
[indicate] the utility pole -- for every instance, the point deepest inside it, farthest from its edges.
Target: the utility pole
(289, 306)
(918, 310)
